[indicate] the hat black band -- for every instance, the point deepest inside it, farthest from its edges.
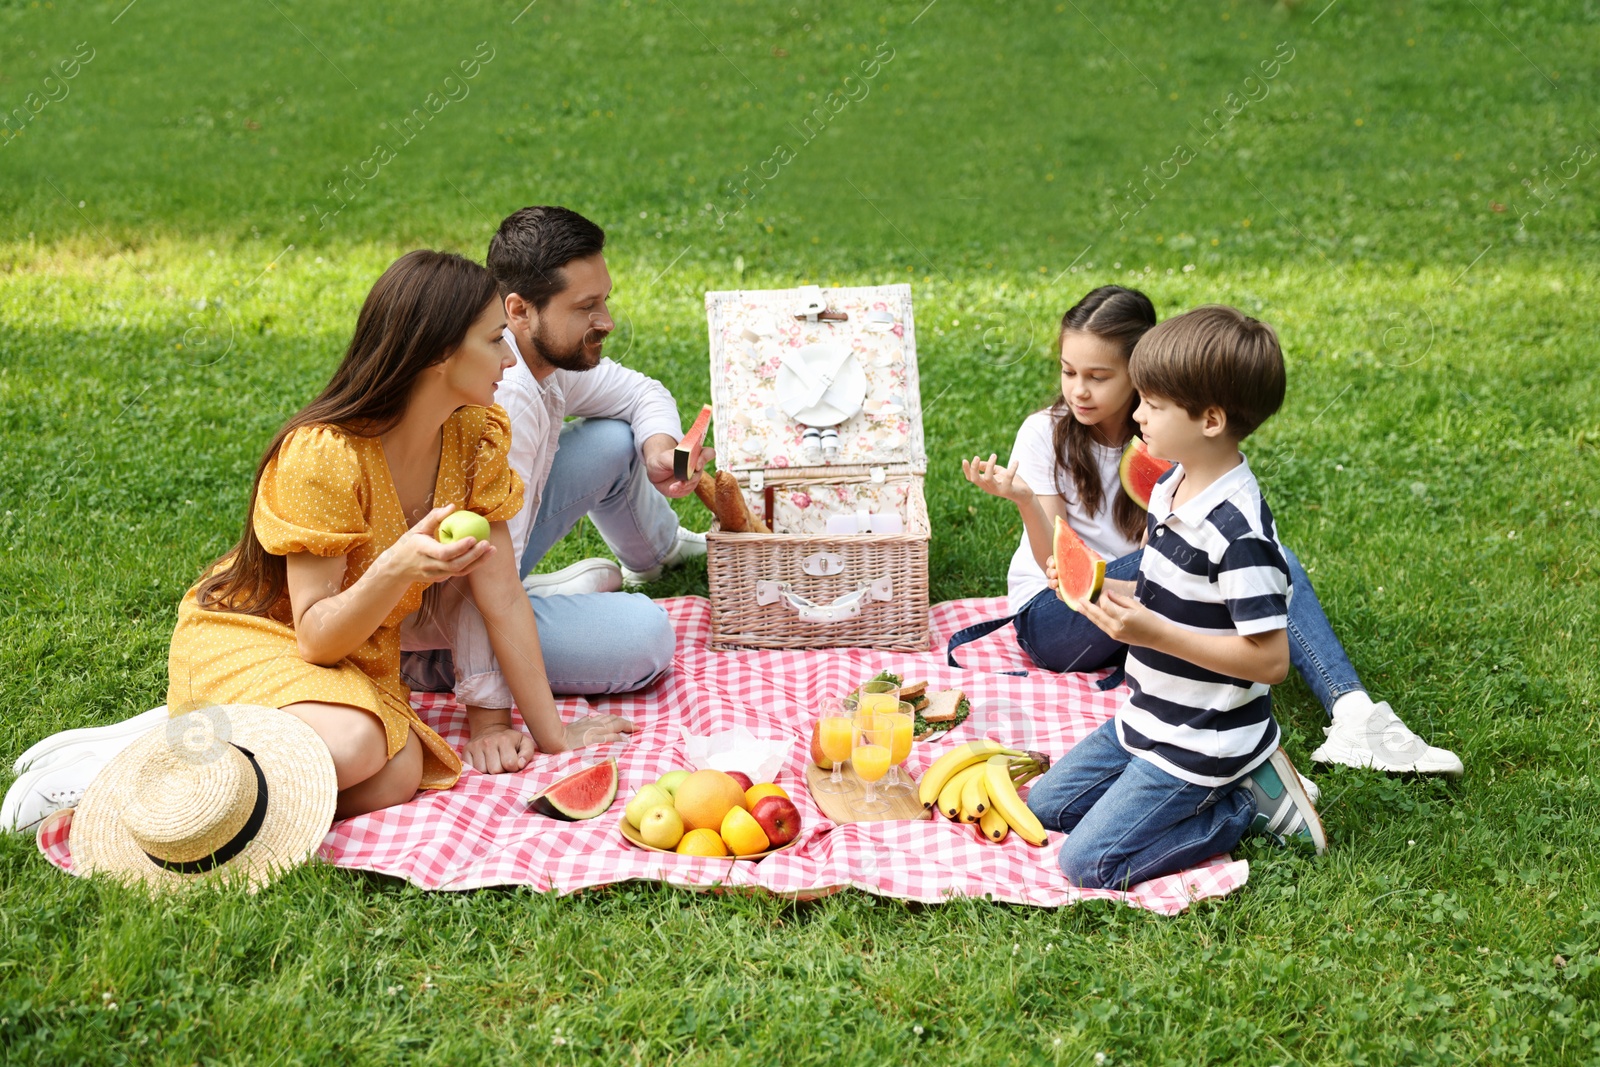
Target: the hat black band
(236, 844)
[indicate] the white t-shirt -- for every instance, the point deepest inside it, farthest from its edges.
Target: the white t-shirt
(1035, 456)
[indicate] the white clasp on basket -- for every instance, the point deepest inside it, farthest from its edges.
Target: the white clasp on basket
(811, 303)
(846, 607)
(822, 564)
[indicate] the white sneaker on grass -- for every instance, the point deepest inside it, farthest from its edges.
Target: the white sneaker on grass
(69, 745)
(42, 791)
(1365, 734)
(688, 545)
(1283, 808)
(592, 575)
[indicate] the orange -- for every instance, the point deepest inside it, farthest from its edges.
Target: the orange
(704, 843)
(705, 797)
(742, 834)
(767, 789)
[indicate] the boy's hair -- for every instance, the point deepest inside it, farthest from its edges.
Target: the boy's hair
(1213, 356)
(532, 245)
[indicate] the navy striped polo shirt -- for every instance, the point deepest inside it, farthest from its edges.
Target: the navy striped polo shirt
(1212, 566)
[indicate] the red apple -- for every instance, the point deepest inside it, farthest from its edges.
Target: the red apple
(779, 819)
(817, 755)
(742, 778)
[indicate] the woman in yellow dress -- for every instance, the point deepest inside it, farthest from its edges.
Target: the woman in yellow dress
(339, 545)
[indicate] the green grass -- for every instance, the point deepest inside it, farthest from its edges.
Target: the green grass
(1434, 467)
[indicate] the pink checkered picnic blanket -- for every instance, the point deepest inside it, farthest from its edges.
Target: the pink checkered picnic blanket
(480, 833)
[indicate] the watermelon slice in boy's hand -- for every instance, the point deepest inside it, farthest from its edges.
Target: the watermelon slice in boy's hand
(1141, 471)
(1080, 572)
(686, 457)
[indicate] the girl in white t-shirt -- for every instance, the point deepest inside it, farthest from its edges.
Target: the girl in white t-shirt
(1064, 463)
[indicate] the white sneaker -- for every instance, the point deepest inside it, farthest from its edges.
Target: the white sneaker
(1378, 739)
(66, 746)
(687, 547)
(585, 576)
(42, 791)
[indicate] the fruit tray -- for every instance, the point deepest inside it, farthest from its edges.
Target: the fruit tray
(636, 841)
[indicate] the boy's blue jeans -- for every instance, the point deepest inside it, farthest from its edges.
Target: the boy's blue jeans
(1127, 820)
(1060, 639)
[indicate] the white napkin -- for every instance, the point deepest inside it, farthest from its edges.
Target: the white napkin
(737, 750)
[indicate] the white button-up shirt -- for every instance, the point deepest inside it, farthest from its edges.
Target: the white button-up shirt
(537, 410)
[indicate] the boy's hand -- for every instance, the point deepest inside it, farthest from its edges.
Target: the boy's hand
(1124, 619)
(1120, 586)
(1003, 482)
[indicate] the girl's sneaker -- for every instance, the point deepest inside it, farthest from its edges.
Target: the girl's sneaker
(1283, 807)
(1372, 735)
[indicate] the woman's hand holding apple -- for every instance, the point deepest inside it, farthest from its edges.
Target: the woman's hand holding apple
(418, 557)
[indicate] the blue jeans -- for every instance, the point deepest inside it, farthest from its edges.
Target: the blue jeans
(593, 643)
(1127, 820)
(1059, 639)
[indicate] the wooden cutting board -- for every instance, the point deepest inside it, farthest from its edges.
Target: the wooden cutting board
(841, 807)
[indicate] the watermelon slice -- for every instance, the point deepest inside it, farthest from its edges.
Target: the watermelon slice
(1080, 572)
(1141, 471)
(686, 457)
(579, 796)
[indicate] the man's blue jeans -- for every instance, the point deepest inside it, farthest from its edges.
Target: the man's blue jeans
(1059, 639)
(1127, 820)
(592, 642)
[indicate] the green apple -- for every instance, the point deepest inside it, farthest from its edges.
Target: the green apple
(671, 781)
(650, 796)
(459, 524)
(662, 827)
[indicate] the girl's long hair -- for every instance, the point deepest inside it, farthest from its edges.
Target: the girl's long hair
(417, 313)
(1120, 316)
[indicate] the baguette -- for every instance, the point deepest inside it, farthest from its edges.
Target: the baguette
(732, 512)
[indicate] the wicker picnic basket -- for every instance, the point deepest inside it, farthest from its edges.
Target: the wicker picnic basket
(847, 353)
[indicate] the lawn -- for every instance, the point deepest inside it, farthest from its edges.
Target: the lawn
(191, 217)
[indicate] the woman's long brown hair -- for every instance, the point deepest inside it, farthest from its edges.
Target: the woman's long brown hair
(1120, 316)
(417, 313)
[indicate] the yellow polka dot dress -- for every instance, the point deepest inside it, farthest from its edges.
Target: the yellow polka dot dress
(328, 492)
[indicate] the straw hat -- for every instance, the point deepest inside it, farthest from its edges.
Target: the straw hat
(229, 791)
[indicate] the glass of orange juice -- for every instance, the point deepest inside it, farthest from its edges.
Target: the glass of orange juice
(869, 758)
(900, 724)
(876, 698)
(835, 737)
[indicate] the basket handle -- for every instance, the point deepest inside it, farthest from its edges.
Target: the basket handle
(845, 607)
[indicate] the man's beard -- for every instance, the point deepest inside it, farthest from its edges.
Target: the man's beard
(582, 355)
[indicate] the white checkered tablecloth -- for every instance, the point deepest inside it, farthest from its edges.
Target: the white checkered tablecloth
(480, 833)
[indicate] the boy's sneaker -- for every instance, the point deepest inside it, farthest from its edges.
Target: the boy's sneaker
(1283, 809)
(42, 791)
(688, 545)
(104, 741)
(594, 575)
(1375, 737)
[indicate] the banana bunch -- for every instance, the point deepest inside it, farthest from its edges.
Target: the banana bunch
(977, 783)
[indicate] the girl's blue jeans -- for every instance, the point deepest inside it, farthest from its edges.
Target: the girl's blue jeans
(1059, 639)
(1127, 820)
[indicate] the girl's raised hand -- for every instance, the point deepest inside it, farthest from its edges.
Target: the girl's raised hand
(1003, 482)
(419, 556)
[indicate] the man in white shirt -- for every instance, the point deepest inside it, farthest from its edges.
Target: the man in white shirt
(612, 462)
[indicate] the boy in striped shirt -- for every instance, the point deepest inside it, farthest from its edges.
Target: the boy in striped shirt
(1191, 762)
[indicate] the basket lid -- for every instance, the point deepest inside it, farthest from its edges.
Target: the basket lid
(796, 369)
